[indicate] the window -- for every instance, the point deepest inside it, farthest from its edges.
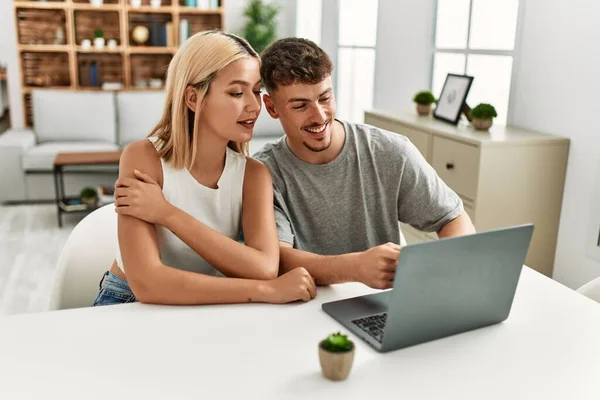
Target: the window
(357, 34)
(477, 38)
(308, 20)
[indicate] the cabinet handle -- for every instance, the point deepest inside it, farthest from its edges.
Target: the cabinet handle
(449, 165)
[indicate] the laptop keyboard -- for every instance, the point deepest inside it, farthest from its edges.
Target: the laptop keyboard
(372, 325)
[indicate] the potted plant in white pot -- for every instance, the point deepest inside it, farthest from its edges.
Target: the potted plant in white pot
(96, 3)
(99, 39)
(89, 196)
(482, 116)
(336, 354)
(424, 100)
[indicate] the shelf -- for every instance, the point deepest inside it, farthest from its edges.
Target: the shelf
(193, 10)
(87, 21)
(104, 7)
(41, 5)
(151, 50)
(46, 48)
(93, 50)
(30, 20)
(151, 10)
(49, 35)
(29, 89)
(42, 69)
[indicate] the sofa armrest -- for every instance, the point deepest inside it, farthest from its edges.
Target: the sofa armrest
(13, 145)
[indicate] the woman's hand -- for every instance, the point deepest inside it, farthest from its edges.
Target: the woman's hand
(294, 285)
(141, 198)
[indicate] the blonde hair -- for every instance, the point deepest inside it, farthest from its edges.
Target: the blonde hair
(196, 63)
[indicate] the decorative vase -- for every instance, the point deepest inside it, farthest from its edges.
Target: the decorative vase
(335, 366)
(136, 3)
(423, 109)
(99, 43)
(89, 201)
(86, 44)
(96, 3)
(112, 44)
(155, 3)
(481, 124)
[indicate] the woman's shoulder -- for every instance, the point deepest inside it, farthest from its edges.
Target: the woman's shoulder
(256, 171)
(141, 155)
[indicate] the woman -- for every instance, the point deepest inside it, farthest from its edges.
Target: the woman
(180, 218)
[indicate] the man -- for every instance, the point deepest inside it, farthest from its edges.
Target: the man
(341, 188)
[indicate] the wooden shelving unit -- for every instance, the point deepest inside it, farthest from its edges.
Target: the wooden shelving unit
(50, 33)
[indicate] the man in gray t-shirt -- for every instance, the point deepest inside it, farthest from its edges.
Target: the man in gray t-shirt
(341, 189)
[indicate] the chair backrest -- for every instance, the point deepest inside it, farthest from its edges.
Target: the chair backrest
(591, 290)
(86, 256)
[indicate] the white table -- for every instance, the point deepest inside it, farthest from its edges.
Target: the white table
(549, 348)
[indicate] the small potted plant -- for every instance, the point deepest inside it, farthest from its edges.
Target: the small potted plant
(482, 116)
(99, 39)
(424, 100)
(336, 353)
(96, 3)
(89, 196)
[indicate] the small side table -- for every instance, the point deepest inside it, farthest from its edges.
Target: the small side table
(63, 160)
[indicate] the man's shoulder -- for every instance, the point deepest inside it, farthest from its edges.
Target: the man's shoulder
(380, 140)
(270, 151)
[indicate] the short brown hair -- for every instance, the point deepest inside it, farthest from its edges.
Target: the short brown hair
(293, 60)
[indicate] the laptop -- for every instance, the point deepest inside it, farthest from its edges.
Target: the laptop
(441, 288)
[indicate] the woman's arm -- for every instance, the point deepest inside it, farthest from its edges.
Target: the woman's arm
(258, 258)
(153, 282)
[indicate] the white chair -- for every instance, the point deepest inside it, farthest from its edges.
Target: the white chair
(87, 255)
(591, 290)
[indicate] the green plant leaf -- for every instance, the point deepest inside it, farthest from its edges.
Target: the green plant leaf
(424, 97)
(261, 25)
(483, 111)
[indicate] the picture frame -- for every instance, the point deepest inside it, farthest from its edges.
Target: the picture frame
(452, 99)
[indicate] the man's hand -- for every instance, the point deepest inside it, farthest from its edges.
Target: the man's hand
(141, 198)
(377, 266)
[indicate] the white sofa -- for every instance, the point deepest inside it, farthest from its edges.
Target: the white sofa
(76, 121)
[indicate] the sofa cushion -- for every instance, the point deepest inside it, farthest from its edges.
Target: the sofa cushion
(74, 115)
(41, 157)
(138, 113)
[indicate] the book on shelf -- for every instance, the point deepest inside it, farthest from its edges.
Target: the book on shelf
(184, 30)
(170, 33)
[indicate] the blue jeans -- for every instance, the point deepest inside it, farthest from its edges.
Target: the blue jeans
(113, 290)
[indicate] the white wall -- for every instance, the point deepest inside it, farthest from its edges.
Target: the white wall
(404, 52)
(557, 89)
(8, 56)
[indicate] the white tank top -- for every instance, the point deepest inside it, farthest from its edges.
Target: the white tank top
(219, 209)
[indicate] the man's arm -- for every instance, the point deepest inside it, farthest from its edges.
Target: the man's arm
(459, 226)
(375, 267)
(325, 270)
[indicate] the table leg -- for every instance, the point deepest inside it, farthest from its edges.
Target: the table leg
(57, 191)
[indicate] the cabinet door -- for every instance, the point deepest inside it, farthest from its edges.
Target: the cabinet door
(457, 164)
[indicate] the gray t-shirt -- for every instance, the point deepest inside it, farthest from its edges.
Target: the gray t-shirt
(355, 202)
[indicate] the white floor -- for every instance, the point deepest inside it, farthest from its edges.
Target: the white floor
(30, 243)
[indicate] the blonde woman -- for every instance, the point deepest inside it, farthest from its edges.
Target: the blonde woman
(185, 193)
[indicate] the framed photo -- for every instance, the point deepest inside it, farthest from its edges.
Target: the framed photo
(452, 99)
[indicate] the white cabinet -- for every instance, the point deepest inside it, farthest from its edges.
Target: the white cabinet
(507, 176)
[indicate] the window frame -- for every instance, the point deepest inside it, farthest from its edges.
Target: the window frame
(339, 46)
(487, 52)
